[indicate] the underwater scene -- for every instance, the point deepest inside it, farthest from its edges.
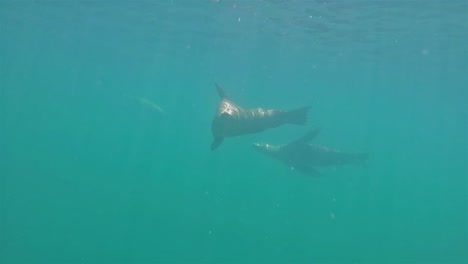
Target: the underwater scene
(233, 131)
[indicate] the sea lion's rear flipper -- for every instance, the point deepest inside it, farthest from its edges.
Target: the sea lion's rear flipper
(216, 143)
(307, 137)
(220, 91)
(298, 116)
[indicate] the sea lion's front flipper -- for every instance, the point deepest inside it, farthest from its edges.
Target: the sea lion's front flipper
(298, 116)
(220, 91)
(307, 137)
(216, 143)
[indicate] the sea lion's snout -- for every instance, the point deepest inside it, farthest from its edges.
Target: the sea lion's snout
(256, 145)
(260, 146)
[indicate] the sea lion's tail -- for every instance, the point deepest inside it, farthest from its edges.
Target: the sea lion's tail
(297, 116)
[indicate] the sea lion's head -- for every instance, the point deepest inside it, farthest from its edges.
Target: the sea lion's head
(226, 110)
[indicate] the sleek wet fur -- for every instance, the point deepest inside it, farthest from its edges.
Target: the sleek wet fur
(302, 156)
(232, 120)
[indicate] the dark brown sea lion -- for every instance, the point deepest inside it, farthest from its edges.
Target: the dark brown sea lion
(302, 156)
(232, 120)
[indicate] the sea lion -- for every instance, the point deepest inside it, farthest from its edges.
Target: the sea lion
(302, 156)
(232, 120)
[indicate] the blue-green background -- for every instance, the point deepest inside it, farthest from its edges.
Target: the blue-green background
(88, 174)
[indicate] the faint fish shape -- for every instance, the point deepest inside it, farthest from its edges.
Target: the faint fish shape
(150, 104)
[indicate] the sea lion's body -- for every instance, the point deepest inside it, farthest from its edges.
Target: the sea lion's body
(232, 120)
(303, 156)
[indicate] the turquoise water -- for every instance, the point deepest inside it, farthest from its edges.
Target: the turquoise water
(91, 171)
